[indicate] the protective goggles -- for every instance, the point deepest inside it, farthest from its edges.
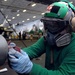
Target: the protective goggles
(54, 25)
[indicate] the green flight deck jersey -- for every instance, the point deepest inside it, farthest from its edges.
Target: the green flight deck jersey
(63, 58)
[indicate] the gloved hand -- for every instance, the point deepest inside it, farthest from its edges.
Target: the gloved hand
(19, 61)
(13, 45)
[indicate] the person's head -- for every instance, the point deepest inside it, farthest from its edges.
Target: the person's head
(58, 20)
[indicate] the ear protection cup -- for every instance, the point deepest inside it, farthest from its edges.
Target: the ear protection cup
(73, 23)
(70, 16)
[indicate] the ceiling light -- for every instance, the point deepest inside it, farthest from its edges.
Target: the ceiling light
(13, 17)
(34, 16)
(42, 13)
(5, 28)
(1, 25)
(5, 0)
(18, 14)
(24, 10)
(23, 21)
(9, 19)
(28, 19)
(33, 5)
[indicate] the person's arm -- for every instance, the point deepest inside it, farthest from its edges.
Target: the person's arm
(21, 63)
(67, 67)
(36, 49)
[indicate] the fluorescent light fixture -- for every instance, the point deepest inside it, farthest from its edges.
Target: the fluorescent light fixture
(5, 28)
(5, 0)
(23, 21)
(28, 19)
(34, 16)
(9, 19)
(18, 14)
(33, 5)
(24, 10)
(42, 13)
(13, 17)
(1, 25)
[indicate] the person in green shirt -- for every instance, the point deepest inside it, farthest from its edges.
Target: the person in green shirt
(58, 43)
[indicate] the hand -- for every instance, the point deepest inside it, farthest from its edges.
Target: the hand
(13, 45)
(20, 61)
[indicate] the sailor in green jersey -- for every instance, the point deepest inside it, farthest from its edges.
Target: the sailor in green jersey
(58, 44)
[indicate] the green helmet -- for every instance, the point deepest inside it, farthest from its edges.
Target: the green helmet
(57, 10)
(57, 17)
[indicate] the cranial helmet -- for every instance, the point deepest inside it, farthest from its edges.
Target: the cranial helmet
(58, 13)
(57, 10)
